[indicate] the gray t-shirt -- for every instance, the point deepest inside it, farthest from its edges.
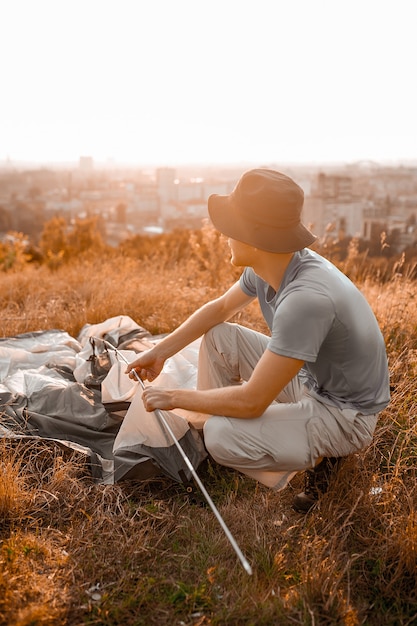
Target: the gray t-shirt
(319, 316)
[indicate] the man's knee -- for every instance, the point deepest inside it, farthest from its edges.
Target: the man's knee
(216, 439)
(215, 335)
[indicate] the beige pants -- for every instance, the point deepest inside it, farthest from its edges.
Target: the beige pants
(293, 433)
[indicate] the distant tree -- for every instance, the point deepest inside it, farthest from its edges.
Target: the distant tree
(121, 213)
(28, 219)
(34, 192)
(54, 236)
(5, 220)
(86, 236)
(54, 242)
(411, 221)
(14, 252)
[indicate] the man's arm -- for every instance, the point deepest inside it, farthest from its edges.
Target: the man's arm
(149, 364)
(249, 400)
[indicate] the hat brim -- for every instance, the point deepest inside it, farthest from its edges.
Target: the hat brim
(227, 219)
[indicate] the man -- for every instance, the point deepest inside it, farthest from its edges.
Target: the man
(308, 394)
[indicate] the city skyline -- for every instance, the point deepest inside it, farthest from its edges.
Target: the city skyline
(208, 82)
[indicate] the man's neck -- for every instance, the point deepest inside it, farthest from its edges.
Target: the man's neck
(271, 267)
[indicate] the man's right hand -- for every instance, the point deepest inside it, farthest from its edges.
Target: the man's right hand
(148, 366)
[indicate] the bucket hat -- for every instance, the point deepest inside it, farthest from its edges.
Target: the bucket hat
(264, 211)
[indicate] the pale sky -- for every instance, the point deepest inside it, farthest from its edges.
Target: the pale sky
(208, 81)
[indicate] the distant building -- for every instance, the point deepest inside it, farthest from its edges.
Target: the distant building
(58, 206)
(86, 164)
(143, 206)
(397, 219)
(222, 188)
(332, 206)
(166, 184)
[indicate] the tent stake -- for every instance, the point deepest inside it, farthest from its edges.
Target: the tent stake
(189, 465)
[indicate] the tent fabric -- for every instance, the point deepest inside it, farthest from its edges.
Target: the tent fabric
(74, 391)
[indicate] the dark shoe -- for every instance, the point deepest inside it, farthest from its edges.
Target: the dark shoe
(316, 482)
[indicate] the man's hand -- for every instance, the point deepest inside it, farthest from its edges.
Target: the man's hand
(157, 398)
(148, 366)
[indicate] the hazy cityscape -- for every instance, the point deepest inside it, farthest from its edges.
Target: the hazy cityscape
(101, 121)
(362, 199)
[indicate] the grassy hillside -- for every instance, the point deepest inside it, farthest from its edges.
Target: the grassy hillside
(73, 552)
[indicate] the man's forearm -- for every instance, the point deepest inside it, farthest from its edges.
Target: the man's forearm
(248, 400)
(194, 327)
(230, 401)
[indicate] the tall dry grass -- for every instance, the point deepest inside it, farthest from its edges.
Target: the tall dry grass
(73, 552)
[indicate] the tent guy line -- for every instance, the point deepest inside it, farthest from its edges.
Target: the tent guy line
(162, 420)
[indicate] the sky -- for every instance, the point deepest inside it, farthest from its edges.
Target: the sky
(171, 82)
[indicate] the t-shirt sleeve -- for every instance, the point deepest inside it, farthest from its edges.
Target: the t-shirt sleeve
(247, 282)
(301, 323)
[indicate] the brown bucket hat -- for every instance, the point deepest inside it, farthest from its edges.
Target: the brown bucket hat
(264, 211)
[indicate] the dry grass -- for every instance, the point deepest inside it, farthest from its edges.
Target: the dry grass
(73, 552)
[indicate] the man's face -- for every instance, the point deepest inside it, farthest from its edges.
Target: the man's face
(242, 253)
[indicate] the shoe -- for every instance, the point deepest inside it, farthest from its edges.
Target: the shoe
(316, 482)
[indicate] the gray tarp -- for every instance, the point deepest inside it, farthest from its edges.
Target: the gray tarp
(74, 391)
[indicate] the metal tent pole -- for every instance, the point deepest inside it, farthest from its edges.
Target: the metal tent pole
(161, 418)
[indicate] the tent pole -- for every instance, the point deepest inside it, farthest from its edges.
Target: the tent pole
(161, 418)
